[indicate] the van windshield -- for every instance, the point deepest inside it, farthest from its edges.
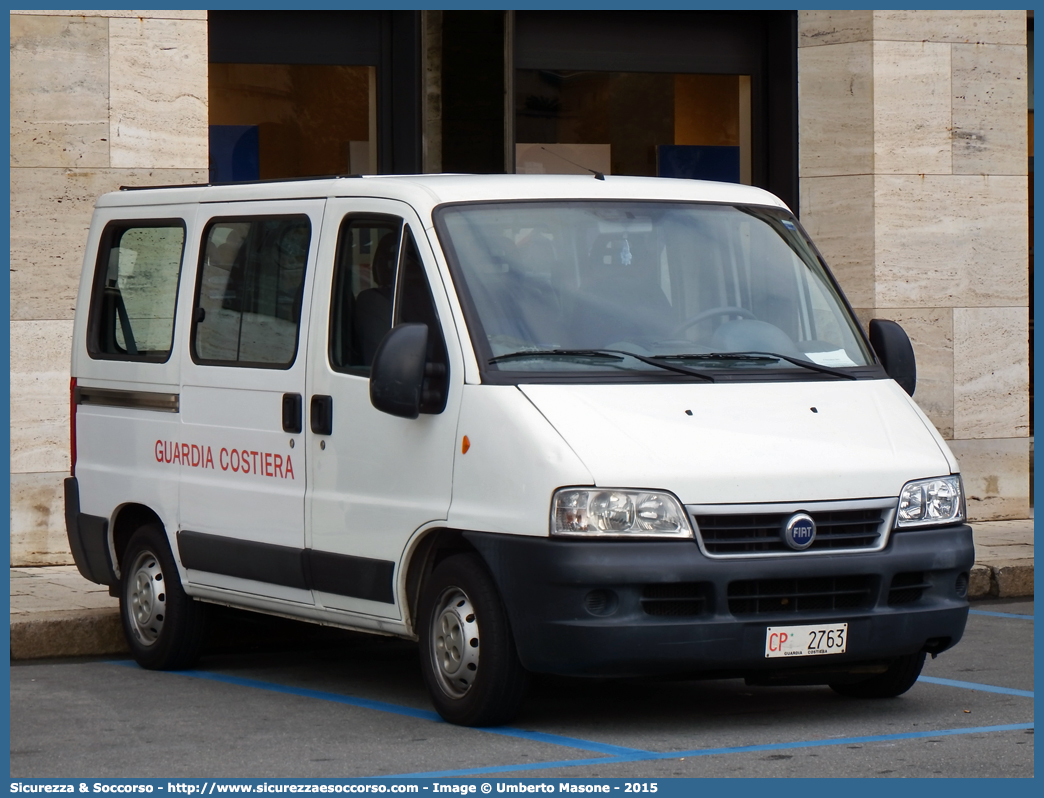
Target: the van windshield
(582, 287)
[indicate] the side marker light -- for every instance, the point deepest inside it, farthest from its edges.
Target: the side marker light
(465, 445)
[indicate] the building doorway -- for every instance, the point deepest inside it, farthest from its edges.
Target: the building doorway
(291, 120)
(709, 95)
(633, 123)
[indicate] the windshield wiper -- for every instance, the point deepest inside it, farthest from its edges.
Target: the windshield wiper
(611, 354)
(808, 364)
(524, 353)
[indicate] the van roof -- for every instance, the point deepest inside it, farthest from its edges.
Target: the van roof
(430, 190)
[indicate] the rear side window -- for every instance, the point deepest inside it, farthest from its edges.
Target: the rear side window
(136, 290)
(251, 282)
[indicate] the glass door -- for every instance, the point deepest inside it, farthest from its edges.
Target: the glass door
(633, 123)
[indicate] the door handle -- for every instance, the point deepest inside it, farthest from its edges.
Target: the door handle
(321, 414)
(292, 412)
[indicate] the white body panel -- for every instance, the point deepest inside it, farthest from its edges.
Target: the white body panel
(377, 478)
(514, 463)
(117, 461)
(746, 442)
(252, 484)
(378, 483)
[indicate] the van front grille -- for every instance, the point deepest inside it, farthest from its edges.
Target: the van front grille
(907, 588)
(812, 594)
(755, 532)
(674, 599)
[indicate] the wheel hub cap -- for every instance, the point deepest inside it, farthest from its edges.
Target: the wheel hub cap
(455, 642)
(146, 599)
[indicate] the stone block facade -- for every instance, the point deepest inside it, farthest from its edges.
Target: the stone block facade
(913, 173)
(913, 179)
(99, 100)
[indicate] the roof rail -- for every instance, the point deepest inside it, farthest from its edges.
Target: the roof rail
(240, 182)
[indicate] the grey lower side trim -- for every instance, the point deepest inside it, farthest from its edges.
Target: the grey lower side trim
(142, 400)
(262, 562)
(88, 539)
(305, 569)
(344, 575)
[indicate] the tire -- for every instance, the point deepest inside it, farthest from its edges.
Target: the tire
(164, 627)
(895, 681)
(468, 654)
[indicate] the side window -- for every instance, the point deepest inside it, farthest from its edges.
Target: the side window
(415, 303)
(136, 291)
(248, 301)
(363, 290)
(379, 281)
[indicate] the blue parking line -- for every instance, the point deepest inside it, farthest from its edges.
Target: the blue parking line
(742, 749)
(304, 692)
(383, 706)
(322, 695)
(1001, 614)
(614, 753)
(985, 688)
(568, 742)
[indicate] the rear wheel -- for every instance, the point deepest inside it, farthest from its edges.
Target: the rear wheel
(899, 678)
(468, 655)
(164, 626)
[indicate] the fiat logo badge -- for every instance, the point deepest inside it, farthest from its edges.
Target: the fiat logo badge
(799, 531)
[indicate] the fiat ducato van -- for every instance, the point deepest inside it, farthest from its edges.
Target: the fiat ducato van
(591, 426)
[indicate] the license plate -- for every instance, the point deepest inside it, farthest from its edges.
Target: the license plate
(806, 641)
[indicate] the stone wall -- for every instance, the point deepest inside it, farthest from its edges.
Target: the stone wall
(913, 173)
(913, 182)
(99, 99)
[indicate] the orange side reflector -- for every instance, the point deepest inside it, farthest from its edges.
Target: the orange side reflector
(465, 445)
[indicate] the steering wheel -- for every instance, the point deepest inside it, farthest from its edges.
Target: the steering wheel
(709, 313)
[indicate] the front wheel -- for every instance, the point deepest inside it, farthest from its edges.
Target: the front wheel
(164, 626)
(895, 681)
(468, 655)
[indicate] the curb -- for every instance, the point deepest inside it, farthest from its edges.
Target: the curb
(67, 633)
(1001, 579)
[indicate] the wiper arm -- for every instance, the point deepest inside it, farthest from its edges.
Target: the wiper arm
(611, 354)
(720, 356)
(524, 353)
(808, 364)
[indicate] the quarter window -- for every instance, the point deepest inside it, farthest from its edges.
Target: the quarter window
(136, 291)
(248, 303)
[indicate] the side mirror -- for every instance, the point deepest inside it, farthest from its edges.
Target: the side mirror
(894, 350)
(397, 374)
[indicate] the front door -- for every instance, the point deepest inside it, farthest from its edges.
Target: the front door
(374, 480)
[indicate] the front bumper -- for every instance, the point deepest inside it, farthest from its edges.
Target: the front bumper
(597, 607)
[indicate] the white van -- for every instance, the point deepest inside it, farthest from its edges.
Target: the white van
(572, 425)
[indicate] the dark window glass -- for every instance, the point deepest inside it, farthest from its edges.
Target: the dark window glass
(675, 280)
(414, 303)
(248, 306)
(364, 290)
(136, 290)
(379, 281)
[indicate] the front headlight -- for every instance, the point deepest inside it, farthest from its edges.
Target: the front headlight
(931, 502)
(585, 512)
